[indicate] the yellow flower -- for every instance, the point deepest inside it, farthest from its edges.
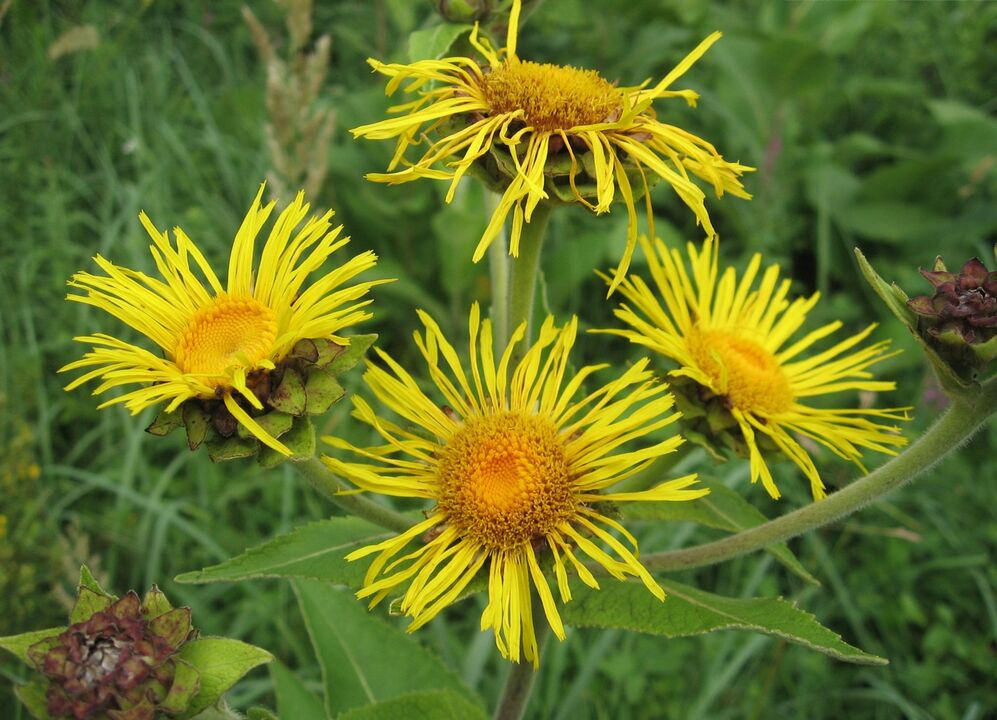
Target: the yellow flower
(734, 342)
(535, 112)
(516, 468)
(219, 342)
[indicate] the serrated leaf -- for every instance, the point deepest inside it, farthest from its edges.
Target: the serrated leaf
(294, 700)
(723, 509)
(18, 644)
(316, 550)
(220, 663)
(688, 611)
(354, 353)
(896, 301)
(321, 391)
(33, 697)
(300, 440)
(197, 424)
(351, 645)
(289, 396)
(435, 704)
(434, 42)
(165, 423)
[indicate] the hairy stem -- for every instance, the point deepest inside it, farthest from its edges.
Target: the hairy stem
(525, 270)
(498, 262)
(519, 683)
(326, 482)
(953, 428)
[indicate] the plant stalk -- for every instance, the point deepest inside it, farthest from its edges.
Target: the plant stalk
(519, 683)
(963, 417)
(326, 482)
(525, 271)
(498, 266)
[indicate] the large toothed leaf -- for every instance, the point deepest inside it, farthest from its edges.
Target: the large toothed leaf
(688, 611)
(220, 663)
(364, 659)
(435, 704)
(317, 550)
(19, 644)
(294, 700)
(723, 509)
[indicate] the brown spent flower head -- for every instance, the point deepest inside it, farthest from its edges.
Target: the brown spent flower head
(964, 306)
(118, 663)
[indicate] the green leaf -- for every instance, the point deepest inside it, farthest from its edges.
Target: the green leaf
(221, 449)
(87, 603)
(19, 644)
(316, 550)
(896, 300)
(687, 611)
(197, 423)
(275, 423)
(354, 353)
(723, 509)
(435, 704)
(435, 42)
(363, 658)
(890, 221)
(33, 697)
(294, 700)
(220, 662)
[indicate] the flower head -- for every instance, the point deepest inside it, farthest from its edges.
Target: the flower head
(119, 663)
(547, 129)
(733, 342)
(517, 468)
(222, 343)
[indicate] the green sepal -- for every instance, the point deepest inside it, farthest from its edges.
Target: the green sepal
(289, 396)
(155, 603)
(197, 422)
(173, 626)
(275, 423)
(165, 423)
(87, 604)
(260, 713)
(87, 580)
(220, 663)
(352, 354)
(32, 696)
(322, 389)
(18, 645)
(896, 300)
(186, 684)
(221, 449)
(300, 440)
(141, 711)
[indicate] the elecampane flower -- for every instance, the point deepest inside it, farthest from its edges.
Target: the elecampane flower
(736, 341)
(219, 342)
(537, 112)
(516, 466)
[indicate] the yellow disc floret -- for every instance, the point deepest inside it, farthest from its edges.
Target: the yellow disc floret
(230, 332)
(504, 479)
(552, 97)
(742, 370)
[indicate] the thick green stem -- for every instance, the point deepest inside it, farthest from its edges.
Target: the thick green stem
(525, 270)
(519, 683)
(498, 262)
(326, 482)
(957, 425)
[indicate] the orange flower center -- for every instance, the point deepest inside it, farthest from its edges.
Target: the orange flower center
(504, 480)
(552, 97)
(742, 370)
(228, 333)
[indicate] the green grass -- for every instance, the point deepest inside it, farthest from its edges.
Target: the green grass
(870, 124)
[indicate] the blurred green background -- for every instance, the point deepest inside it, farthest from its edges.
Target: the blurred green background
(870, 123)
